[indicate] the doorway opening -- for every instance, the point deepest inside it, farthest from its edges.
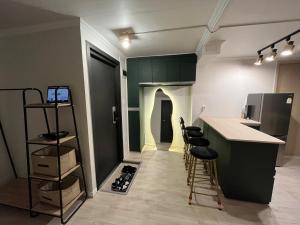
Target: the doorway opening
(150, 127)
(161, 120)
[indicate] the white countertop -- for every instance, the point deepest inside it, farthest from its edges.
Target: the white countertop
(235, 129)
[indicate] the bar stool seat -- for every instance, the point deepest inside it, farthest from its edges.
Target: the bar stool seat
(192, 128)
(194, 142)
(194, 133)
(198, 141)
(209, 156)
(204, 153)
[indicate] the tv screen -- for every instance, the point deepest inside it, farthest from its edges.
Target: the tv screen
(62, 94)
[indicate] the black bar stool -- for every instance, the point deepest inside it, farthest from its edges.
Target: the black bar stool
(187, 132)
(210, 156)
(194, 142)
(192, 131)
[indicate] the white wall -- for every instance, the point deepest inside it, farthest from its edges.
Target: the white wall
(222, 85)
(89, 34)
(51, 57)
(38, 60)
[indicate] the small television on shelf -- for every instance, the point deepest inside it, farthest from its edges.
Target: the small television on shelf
(63, 94)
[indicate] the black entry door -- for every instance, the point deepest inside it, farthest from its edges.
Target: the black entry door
(104, 108)
(166, 130)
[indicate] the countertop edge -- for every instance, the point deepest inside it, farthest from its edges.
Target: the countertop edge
(206, 118)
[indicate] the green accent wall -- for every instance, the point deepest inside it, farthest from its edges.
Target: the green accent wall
(171, 68)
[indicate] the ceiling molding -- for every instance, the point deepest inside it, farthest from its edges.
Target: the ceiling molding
(39, 28)
(212, 23)
(117, 53)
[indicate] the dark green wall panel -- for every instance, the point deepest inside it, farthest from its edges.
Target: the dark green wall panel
(134, 130)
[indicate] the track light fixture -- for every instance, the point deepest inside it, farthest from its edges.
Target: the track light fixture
(272, 55)
(259, 60)
(287, 50)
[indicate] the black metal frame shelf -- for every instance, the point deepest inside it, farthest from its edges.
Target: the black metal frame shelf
(48, 105)
(43, 141)
(42, 208)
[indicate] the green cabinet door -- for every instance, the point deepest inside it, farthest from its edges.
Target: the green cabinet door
(133, 83)
(159, 69)
(172, 68)
(188, 67)
(145, 70)
(134, 130)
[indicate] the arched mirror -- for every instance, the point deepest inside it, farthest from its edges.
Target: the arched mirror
(161, 120)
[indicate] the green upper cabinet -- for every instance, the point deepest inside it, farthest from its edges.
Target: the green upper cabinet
(188, 67)
(165, 69)
(145, 69)
(159, 69)
(172, 68)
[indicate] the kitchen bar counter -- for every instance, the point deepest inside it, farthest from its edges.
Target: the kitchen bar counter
(247, 158)
(239, 130)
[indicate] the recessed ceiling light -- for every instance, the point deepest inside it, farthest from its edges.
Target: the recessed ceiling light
(125, 41)
(288, 49)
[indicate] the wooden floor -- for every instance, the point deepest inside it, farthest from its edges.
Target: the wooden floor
(159, 196)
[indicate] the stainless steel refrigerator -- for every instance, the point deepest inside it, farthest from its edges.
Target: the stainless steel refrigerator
(273, 111)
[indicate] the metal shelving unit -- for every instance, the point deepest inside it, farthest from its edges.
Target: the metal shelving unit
(36, 207)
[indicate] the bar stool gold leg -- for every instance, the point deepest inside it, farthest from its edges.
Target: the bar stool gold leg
(194, 163)
(220, 207)
(210, 167)
(187, 158)
(191, 163)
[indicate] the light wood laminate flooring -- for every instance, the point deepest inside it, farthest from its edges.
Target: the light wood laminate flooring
(159, 196)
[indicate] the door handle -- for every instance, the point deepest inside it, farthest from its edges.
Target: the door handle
(114, 117)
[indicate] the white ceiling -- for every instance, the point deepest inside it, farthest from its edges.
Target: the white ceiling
(141, 15)
(245, 41)
(147, 15)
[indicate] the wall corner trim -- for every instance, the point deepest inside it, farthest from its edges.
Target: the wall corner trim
(87, 27)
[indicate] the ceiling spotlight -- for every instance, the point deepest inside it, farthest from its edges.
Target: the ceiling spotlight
(271, 56)
(288, 49)
(259, 60)
(125, 41)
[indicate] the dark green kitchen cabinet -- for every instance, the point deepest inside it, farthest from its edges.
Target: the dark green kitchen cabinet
(134, 130)
(187, 67)
(166, 69)
(159, 69)
(133, 83)
(155, 69)
(173, 65)
(144, 70)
